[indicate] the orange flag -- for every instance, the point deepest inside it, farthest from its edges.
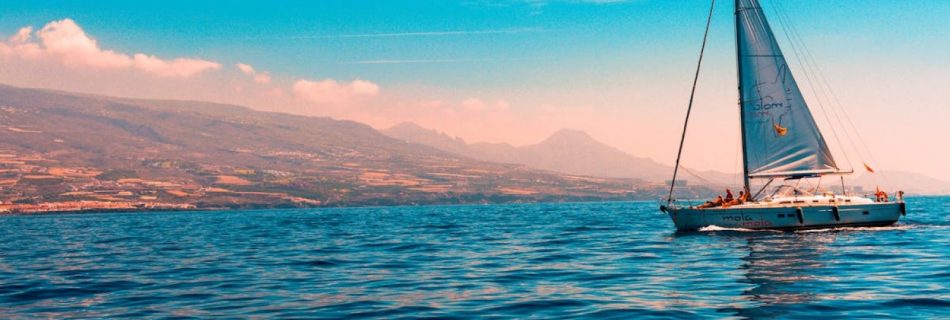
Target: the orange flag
(868, 168)
(779, 130)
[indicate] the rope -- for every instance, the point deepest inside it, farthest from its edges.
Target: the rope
(704, 180)
(836, 106)
(689, 108)
(786, 26)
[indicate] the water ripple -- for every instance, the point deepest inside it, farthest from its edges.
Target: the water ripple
(596, 260)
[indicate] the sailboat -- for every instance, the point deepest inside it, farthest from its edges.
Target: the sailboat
(780, 141)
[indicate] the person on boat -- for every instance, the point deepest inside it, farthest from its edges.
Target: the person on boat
(881, 195)
(714, 203)
(729, 196)
(734, 202)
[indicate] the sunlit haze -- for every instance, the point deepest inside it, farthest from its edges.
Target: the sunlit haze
(499, 71)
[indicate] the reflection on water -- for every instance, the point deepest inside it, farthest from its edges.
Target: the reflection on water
(781, 268)
(612, 260)
(776, 266)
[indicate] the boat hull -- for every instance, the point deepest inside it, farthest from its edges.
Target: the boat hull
(788, 218)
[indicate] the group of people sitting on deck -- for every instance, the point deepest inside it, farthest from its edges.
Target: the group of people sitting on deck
(726, 202)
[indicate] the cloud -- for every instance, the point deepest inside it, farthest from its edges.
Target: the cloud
(19, 45)
(65, 42)
(473, 104)
(330, 91)
(259, 77)
(179, 67)
(245, 68)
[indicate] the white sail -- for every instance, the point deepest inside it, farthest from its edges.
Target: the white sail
(781, 136)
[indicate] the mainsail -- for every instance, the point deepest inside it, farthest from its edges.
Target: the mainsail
(781, 136)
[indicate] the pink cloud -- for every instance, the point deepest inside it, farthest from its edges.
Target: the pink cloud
(179, 67)
(245, 68)
(473, 104)
(65, 42)
(259, 77)
(22, 36)
(19, 45)
(330, 91)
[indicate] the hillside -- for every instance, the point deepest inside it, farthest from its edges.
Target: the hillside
(59, 146)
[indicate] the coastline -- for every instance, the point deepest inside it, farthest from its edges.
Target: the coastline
(90, 210)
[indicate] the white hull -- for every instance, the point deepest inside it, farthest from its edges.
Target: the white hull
(810, 216)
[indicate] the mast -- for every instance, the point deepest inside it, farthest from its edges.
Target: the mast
(745, 155)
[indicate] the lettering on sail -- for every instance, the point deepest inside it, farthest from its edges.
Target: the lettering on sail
(772, 100)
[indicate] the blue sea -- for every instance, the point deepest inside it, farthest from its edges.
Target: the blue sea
(575, 260)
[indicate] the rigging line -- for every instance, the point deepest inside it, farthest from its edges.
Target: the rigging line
(834, 96)
(689, 108)
(824, 87)
(811, 84)
(837, 106)
(784, 20)
(704, 180)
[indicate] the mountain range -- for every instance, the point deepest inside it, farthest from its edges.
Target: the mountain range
(568, 151)
(61, 146)
(576, 152)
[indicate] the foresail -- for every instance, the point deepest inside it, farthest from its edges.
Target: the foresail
(781, 136)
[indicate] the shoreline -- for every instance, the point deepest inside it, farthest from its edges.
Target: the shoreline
(338, 206)
(199, 209)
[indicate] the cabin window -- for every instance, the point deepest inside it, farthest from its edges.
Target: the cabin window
(781, 215)
(866, 213)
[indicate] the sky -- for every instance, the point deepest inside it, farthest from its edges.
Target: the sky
(502, 71)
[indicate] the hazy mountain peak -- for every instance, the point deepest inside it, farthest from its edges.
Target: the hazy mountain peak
(566, 150)
(570, 136)
(412, 127)
(414, 133)
(409, 125)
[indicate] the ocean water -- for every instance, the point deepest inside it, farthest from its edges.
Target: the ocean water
(581, 260)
